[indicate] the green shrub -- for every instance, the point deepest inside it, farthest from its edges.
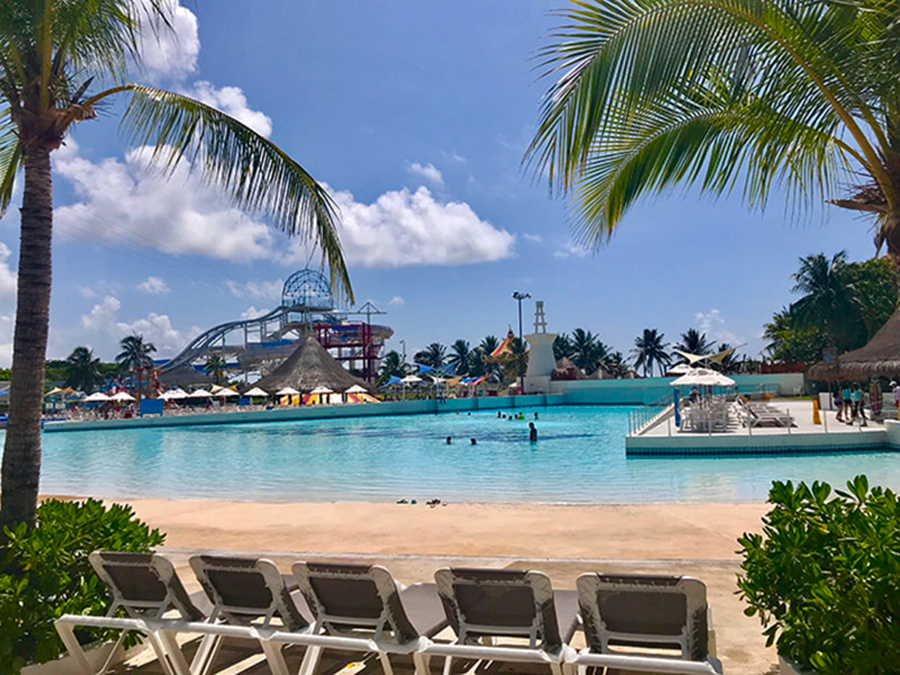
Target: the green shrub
(825, 577)
(45, 573)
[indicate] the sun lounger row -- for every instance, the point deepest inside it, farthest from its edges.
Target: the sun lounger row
(361, 608)
(756, 414)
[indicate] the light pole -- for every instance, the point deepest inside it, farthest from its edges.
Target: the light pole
(520, 297)
(403, 344)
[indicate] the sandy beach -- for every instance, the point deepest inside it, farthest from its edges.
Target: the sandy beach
(564, 541)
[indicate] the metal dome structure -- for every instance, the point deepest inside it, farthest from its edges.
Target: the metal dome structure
(307, 291)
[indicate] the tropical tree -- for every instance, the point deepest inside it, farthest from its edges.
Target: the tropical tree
(617, 365)
(763, 93)
(135, 354)
(392, 365)
(489, 344)
(215, 367)
(434, 355)
(829, 299)
(562, 347)
(649, 350)
(483, 364)
(83, 370)
(695, 342)
(730, 363)
(461, 356)
(516, 362)
(790, 343)
(53, 56)
(585, 350)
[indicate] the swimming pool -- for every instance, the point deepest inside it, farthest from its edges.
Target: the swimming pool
(580, 457)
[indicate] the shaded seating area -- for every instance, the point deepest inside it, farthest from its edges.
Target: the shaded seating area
(469, 618)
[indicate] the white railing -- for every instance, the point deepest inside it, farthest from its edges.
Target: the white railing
(647, 415)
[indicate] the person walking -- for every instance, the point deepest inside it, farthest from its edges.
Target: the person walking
(895, 389)
(839, 405)
(848, 404)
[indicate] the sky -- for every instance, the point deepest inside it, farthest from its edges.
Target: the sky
(416, 115)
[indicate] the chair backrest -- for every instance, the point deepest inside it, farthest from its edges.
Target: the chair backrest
(355, 600)
(490, 602)
(644, 610)
(143, 584)
(244, 590)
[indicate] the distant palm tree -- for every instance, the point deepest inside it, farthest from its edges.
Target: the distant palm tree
(617, 365)
(489, 344)
(730, 364)
(135, 353)
(461, 357)
(695, 342)
(434, 355)
(829, 301)
(82, 370)
(392, 365)
(215, 367)
(649, 350)
(562, 347)
(516, 362)
(52, 52)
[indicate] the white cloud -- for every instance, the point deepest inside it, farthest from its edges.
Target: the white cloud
(102, 314)
(397, 300)
(122, 204)
(156, 329)
(154, 286)
(252, 313)
(7, 276)
(413, 228)
(453, 156)
(570, 249)
(170, 52)
(716, 328)
(87, 292)
(266, 290)
(231, 100)
(535, 238)
(427, 171)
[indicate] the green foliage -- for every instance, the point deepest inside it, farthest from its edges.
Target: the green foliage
(82, 370)
(824, 577)
(791, 344)
(434, 355)
(876, 285)
(649, 350)
(45, 573)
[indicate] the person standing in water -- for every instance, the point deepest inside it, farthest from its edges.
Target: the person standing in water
(532, 432)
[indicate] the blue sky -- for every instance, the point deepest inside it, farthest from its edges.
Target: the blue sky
(416, 114)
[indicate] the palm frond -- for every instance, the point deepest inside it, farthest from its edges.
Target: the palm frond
(255, 172)
(10, 159)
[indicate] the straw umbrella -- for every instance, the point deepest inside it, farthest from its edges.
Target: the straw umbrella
(310, 366)
(879, 358)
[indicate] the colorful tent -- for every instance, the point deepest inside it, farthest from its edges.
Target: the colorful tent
(505, 348)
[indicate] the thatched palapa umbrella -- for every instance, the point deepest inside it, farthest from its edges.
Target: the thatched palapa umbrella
(880, 357)
(309, 367)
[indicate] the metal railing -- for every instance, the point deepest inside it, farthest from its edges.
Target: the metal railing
(648, 414)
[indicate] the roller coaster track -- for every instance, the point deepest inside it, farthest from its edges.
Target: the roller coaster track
(203, 342)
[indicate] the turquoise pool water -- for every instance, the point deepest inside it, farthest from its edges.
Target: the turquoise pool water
(580, 457)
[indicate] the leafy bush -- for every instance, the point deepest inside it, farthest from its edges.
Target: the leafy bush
(825, 577)
(45, 573)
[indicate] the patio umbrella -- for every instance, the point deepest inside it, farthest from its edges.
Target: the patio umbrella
(256, 392)
(680, 369)
(123, 397)
(200, 393)
(96, 397)
(225, 392)
(356, 389)
(174, 395)
(54, 392)
(703, 377)
(412, 379)
(322, 390)
(287, 391)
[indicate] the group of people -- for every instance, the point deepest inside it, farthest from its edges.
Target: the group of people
(849, 400)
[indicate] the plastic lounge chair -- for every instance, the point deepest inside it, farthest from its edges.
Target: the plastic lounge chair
(646, 612)
(361, 608)
(251, 600)
(485, 604)
(147, 589)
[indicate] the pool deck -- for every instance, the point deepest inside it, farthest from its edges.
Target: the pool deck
(414, 540)
(664, 438)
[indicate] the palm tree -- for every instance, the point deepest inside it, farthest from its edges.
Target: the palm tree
(215, 366)
(489, 344)
(829, 301)
(649, 350)
(434, 355)
(82, 370)
(461, 357)
(135, 353)
(718, 93)
(584, 347)
(562, 347)
(486, 365)
(52, 54)
(392, 365)
(516, 362)
(695, 342)
(617, 365)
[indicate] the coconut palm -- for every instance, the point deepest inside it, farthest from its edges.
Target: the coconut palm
(695, 342)
(461, 355)
(434, 355)
(515, 362)
(82, 370)
(755, 93)
(562, 347)
(487, 365)
(617, 365)
(392, 365)
(649, 350)
(135, 353)
(55, 55)
(215, 367)
(829, 299)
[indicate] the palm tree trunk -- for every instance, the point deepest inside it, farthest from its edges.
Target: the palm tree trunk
(22, 451)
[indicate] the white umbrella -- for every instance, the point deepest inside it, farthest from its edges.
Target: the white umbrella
(256, 392)
(322, 390)
(96, 397)
(200, 393)
(216, 388)
(702, 377)
(412, 379)
(287, 391)
(174, 395)
(680, 369)
(53, 392)
(356, 389)
(123, 396)
(225, 392)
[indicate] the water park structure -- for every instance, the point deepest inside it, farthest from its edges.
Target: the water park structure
(256, 346)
